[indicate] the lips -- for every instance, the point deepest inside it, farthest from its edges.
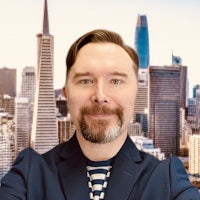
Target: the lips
(97, 110)
(100, 116)
(101, 112)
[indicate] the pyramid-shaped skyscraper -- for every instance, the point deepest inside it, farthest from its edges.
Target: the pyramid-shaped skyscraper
(44, 133)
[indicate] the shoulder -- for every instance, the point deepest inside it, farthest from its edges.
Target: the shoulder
(34, 176)
(29, 156)
(173, 173)
(19, 174)
(29, 162)
(173, 166)
(25, 155)
(23, 161)
(172, 169)
(30, 159)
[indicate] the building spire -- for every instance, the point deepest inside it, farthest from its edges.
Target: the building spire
(45, 19)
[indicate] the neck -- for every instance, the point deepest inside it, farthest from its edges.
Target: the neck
(101, 152)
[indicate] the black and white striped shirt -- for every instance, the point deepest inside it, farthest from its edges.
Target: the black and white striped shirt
(98, 174)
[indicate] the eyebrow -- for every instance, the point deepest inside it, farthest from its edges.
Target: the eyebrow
(80, 74)
(119, 74)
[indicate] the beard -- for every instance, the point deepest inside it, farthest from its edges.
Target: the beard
(100, 130)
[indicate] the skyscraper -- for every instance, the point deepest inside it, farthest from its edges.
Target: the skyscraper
(142, 48)
(166, 96)
(8, 81)
(44, 134)
(194, 154)
(142, 41)
(7, 142)
(141, 102)
(28, 89)
(28, 83)
(22, 123)
(192, 114)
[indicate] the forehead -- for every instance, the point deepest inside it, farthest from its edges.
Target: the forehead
(102, 57)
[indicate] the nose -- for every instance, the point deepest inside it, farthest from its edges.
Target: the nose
(99, 95)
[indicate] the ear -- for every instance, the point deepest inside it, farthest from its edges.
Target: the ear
(64, 92)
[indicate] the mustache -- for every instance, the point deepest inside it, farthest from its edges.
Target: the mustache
(93, 110)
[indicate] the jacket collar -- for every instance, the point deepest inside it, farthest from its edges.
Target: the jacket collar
(125, 172)
(72, 171)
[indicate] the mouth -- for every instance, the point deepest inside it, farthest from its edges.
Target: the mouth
(101, 113)
(100, 116)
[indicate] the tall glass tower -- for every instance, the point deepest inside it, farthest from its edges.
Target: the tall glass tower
(142, 41)
(142, 48)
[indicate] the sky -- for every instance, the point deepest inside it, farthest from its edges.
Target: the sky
(174, 26)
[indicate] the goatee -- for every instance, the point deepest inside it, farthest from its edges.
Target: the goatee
(101, 130)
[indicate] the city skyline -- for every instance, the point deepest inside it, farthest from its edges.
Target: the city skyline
(172, 28)
(44, 107)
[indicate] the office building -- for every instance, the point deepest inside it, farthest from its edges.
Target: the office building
(145, 144)
(28, 88)
(8, 81)
(28, 83)
(61, 104)
(7, 142)
(22, 123)
(195, 88)
(5, 154)
(191, 107)
(185, 132)
(141, 101)
(184, 86)
(135, 129)
(167, 88)
(44, 134)
(194, 154)
(142, 41)
(8, 104)
(193, 114)
(66, 128)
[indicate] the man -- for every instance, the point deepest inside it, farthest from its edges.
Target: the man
(100, 161)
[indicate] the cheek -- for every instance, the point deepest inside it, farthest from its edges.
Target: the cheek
(128, 103)
(74, 108)
(127, 98)
(75, 103)
(129, 106)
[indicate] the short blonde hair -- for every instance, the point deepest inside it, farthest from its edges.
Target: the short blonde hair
(97, 36)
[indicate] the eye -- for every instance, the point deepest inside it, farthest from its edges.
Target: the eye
(86, 81)
(116, 81)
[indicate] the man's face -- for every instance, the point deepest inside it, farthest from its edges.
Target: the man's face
(100, 92)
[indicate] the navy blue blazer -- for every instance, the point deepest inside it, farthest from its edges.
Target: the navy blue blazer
(60, 174)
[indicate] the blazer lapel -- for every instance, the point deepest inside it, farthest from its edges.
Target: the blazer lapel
(128, 167)
(125, 172)
(72, 172)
